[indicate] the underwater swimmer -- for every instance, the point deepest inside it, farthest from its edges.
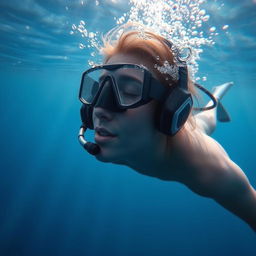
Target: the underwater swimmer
(142, 117)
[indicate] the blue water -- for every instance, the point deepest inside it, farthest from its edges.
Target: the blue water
(57, 200)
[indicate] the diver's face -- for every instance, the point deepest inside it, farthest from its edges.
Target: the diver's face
(133, 130)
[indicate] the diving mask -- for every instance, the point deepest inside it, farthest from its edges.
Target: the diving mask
(130, 86)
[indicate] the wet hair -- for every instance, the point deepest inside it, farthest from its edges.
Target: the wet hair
(137, 40)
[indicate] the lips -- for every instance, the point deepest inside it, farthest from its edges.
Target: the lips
(103, 137)
(104, 132)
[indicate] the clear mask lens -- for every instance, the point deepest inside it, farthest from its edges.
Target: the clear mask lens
(128, 83)
(90, 86)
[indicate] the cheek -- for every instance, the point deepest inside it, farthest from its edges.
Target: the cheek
(140, 121)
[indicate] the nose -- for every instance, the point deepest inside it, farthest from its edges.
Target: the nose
(103, 114)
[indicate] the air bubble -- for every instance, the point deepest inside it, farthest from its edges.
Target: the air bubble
(206, 18)
(81, 46)
(202, 12)
(181, 21)
(91, 35)
(212, 29)
(183, 33)
(198, 22)
(192, 17)
(184, 54)
(91, 63)
(85, 33)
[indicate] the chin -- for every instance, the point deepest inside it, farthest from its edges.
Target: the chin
(109, 157)
(102, 158)
(105, 156)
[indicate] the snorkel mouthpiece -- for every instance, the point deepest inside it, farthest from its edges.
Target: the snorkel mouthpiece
(90, 147)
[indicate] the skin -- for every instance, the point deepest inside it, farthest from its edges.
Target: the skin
(192, 157)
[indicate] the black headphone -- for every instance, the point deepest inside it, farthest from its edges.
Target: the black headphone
(174, 111)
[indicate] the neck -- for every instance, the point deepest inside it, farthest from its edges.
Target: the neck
(164, 159)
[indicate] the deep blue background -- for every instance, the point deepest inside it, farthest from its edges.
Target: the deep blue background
(57, 200)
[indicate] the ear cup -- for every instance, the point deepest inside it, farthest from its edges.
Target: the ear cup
(174, 111)
(86, 116)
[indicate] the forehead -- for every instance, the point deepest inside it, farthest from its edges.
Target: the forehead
(128, 58)
(121, 58)
(126, 72)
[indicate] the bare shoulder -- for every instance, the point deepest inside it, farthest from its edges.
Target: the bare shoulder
(214, 172)
(218, 177)
(225, 179)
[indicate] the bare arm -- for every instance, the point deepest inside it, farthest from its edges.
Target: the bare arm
(231, 189)
(221, 179)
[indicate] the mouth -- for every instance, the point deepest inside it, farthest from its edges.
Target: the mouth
(103, 135)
